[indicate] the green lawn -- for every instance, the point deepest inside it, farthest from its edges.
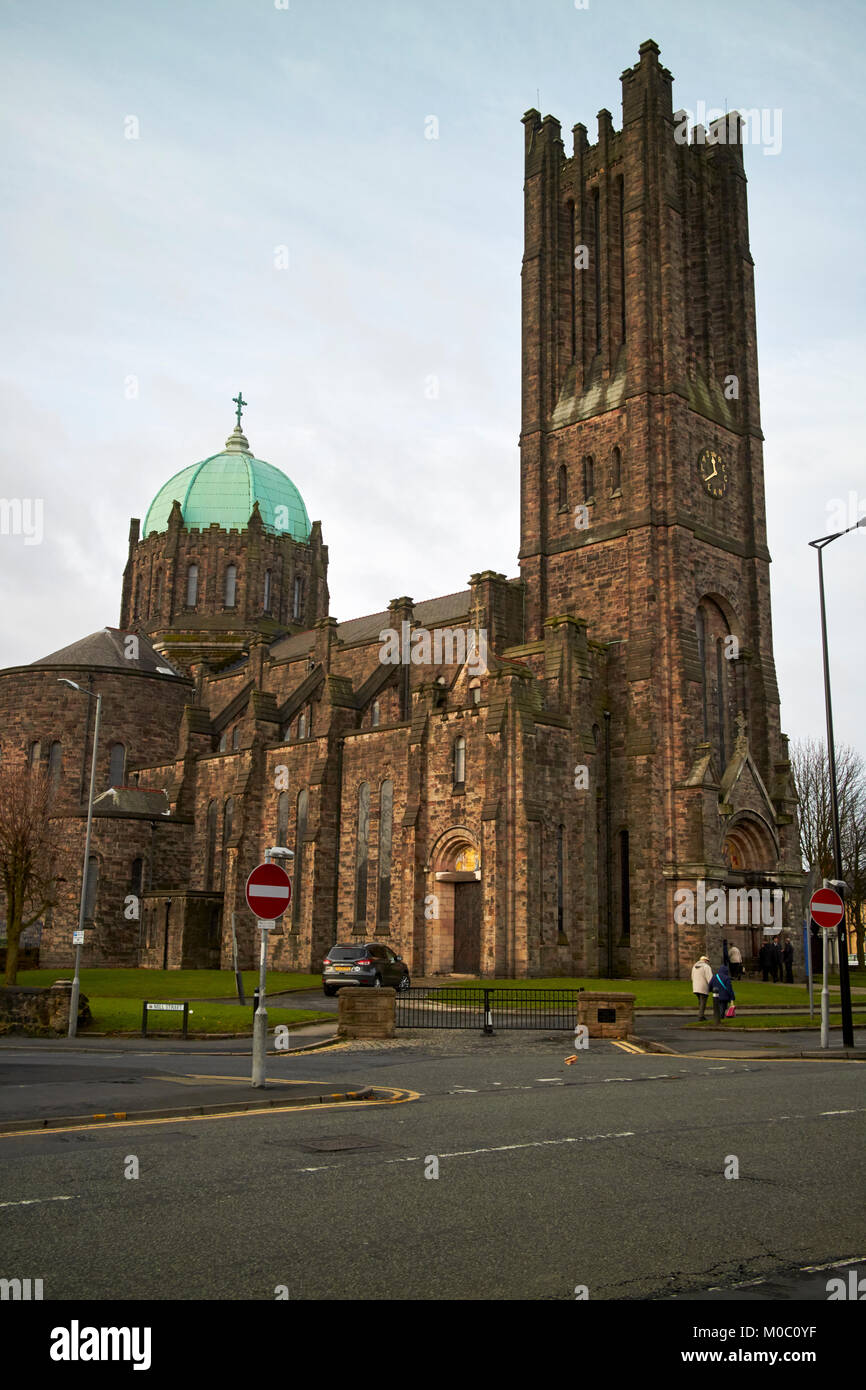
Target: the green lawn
(170, 984)
(661, 994)
(112, 1015)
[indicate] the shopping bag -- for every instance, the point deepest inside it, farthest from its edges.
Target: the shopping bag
(730, 1011)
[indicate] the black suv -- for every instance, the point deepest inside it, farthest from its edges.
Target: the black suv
(369, 964)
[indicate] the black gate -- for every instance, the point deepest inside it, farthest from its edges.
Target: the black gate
(487, 1009)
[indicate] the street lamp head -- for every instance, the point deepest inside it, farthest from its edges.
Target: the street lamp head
(61, 680)
(279, 852)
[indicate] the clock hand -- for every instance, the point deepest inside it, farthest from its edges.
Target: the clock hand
(711, 475)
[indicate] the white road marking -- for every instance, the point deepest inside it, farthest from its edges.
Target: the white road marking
(34, 1201)
(838, 1112)
(549, 1078)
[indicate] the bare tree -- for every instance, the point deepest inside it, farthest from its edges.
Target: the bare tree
(811, 770)
(29, 851)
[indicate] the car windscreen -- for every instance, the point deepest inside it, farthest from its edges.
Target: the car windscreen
(346, 952)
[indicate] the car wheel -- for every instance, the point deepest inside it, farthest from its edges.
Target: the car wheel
(329, 991)
(405, 982)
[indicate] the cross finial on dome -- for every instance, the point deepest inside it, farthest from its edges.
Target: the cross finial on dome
(240, 403)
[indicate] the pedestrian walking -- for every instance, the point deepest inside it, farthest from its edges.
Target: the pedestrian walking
(723, 992)
(788, 961)
(735, 957)
(702, 975)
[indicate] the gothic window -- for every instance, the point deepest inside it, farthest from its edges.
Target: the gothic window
(475, 692)
(266, 602)
(718, 681)
(621, 205)
(210, 846)
(721, 701)
(588, 479)
(460, 762)
(625, 884)
(224, 740)
(228, 818)
(192, 586)
(298, 862)
(302, 724)
(92, 888)
(297, 599)
(157, 593)
(386, 816)
(55, 758)
(231, 585)
(702, 658)
(563, 488)
(136, 607)
(136, 875)
(236, 738)
(117, 765)
(34, 754)
(616, 471)
(374, 715)
(596, 256)
(282, 818)
(560, 880)
(361, 853)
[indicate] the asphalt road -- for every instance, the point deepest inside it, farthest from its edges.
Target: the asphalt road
(607, 1174)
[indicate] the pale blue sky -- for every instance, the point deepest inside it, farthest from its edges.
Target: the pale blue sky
(305, 127)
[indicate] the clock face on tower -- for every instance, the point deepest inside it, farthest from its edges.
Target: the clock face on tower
(713, 472)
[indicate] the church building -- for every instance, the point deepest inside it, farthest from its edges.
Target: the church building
(519, 779)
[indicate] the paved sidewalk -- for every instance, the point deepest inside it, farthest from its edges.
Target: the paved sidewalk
(715, 1040)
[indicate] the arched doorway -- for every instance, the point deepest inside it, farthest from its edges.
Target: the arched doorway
(456, 864)
(751, 852)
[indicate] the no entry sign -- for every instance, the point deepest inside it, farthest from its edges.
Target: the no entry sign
(268, 892)
(826, 907)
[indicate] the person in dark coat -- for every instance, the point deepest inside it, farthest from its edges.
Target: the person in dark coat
(765, 956)
(723, 992)
(776, 961)
(788, 961)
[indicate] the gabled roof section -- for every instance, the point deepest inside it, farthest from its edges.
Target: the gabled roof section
(132, 801)
(432, 613)
(108, 647)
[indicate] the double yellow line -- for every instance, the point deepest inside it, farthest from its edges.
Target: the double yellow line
(628, 1047)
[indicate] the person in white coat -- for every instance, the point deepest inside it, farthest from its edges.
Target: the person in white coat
(702, 976)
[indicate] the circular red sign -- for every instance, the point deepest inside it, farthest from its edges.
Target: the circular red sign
(826, 907)
(268, 891)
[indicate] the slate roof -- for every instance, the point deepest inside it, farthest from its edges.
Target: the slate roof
(432, 613)
(125, 801)
(106, 648)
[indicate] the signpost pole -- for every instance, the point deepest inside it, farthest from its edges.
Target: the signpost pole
(260, 1020)
(825, 992)
(807, 944)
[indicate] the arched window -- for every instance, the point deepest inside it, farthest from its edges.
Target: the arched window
(616, 471)
(361, 854)
(298, 598)
(374, 715)
(588, 479)
(475, 692)
(386, 817)
(92, 888)
(117, 765)
(55, 760)
(236, 738)
(701, 628)
(298, 862)
(266, 601)
(721, 702)
(136, 606)
(302, 724)
(228, 817)
(210, 846)
(224, 740)
(157, 592)
(231, 585)
(460, 762)
(192, 586)
(33, 754)
(136, 876)
(563, 488)
(625, 884)
(282, 818)
(560, 880)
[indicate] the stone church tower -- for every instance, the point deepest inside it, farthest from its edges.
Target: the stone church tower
(642, 490)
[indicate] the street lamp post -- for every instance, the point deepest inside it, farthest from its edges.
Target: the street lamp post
(82, 906)
(844, 977)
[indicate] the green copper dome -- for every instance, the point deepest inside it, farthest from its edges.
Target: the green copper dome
(224, 488)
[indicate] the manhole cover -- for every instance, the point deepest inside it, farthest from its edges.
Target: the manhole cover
(344, 1143)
